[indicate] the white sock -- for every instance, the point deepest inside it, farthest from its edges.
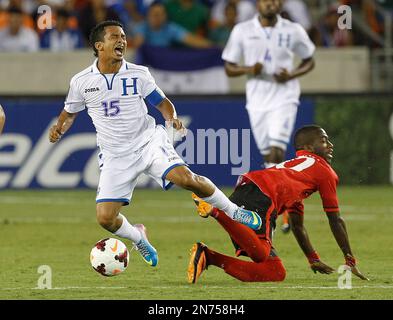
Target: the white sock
(128, 231)
(220, 201)
(269, 164)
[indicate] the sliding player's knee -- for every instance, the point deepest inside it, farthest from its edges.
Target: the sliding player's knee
(279, 269)
(260, 251)
(259, 255)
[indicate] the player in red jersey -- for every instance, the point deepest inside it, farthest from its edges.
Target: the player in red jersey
(271, 192)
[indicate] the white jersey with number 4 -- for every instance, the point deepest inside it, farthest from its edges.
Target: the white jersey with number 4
(274, 47)
(115, 102)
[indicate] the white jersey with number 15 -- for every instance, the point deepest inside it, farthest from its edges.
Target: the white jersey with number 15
(115, 102)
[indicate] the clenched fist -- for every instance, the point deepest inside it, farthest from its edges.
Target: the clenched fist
(54, 134)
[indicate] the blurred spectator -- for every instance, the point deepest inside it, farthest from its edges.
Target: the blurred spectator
(94, 13)
(245, 10)
(387, 4)
(219, 35)
(16, 37)
(297, 11)
(373, 19)
(27, 6)
(133, 16)
(369, 12)
(328, 34)
(142, 6)
(4, 15)
(157, 31)
(119, 6)
(190, 14)
(55, 5)
(61, 38)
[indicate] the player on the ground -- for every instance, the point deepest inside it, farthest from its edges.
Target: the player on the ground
(270, 192)
(113, 91)
(2, 119)
(263, 49)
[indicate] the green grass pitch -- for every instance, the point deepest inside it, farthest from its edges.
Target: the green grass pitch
(58, 229)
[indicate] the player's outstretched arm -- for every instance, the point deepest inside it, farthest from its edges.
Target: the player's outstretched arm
(339, 230)
(301, 235)
(64, 122)
(2, 119)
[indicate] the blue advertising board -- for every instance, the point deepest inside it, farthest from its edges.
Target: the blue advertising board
(219, 142)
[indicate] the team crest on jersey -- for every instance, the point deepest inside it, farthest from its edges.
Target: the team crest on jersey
(92, 89)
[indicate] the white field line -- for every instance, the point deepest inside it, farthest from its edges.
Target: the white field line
(188, 287)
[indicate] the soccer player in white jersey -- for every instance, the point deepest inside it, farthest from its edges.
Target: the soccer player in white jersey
(113, 91)
(263, 49)
(2, 119)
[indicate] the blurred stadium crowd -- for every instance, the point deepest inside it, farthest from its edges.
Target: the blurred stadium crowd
(168, 23)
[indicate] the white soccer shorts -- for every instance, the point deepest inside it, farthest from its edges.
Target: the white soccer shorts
(273, 127)
(119, 175)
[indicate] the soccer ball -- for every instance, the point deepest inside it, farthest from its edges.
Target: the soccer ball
(109, 257)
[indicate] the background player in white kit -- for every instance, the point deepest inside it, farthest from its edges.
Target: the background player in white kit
(263, 49)
(130, 143)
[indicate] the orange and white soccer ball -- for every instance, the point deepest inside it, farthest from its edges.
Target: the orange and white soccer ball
(109, 257)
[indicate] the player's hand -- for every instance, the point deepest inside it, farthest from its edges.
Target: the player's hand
(256, 69)
(177, 124)
(54, 134)
(319, 266)
(357, 273)
(283, 76)
(350, 261)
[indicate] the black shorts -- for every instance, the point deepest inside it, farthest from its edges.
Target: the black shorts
(250, 197)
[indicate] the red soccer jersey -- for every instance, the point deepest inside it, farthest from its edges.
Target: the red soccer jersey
(288, 183)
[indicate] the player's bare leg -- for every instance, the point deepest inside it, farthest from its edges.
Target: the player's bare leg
(285, 227)
(183, 177)
(110, 218)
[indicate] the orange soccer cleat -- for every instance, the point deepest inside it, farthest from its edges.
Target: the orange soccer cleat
(197, 262)
(204, 209)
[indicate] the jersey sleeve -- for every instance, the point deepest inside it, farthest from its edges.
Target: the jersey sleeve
(303, 47)
(150, 91)
(233, 51)
(74, 102)
(328, 193)
(297, 207)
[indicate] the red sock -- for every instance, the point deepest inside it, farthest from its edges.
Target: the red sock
(270, 270)
(258, 250)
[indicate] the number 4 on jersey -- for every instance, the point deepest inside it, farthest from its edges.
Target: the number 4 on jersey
(267, 57)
